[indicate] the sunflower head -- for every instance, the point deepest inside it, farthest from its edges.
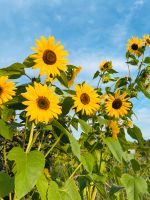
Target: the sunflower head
(42, 104)
(49, 79)
(106, 79)
(49, 57)
(129, 124)
(86, 99)
(134, 45)
(105, 65)
(7, 89)
(117, 105)
(72, 74)
(147, 86)
(146, 39)
(115, 129)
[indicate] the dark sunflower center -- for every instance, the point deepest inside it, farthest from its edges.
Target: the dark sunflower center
(106, 65)
(85, 99)
(117, 103)
(49, 57)
(43, 103)
(51, 75)
(1, 90)
(148, 41)
(134, 47)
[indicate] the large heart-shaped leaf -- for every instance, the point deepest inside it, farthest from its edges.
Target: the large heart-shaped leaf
(28, 169)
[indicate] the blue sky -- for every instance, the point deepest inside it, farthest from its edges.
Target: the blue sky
(91, 30)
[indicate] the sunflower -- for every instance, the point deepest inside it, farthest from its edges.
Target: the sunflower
(115, 129)
(49, 57)
(42, 104)
(134, 44)
(73, 76)
(105, 65)
(117, 105)
(49, 79)
(6, 89)
(146, 39)
(86, 99)
(129, 124)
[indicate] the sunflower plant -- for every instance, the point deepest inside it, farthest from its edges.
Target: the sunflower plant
(42, 158)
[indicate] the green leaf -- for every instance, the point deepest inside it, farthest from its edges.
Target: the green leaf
(58, 91)
(115, 148)
(121, 82)
(53, 191)
(102, 121)
(133, 62)
(29, 62)
(136, 133)
(67, 105)
(88, 161)
(70, 191)
(63, 79)
(5, 131)
(147, 60)
(42, 187)
(114, 189)
(7, 114)
(74, 144)
(135, 165)
(6, 184)
(84, 126)
(135, 186)
(96, 74)
(143, 89)
(13, 71)
(29, 168)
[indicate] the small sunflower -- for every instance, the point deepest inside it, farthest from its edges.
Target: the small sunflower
(134, 44)
(129, 124)
(6, 89)
(147, 86)
(146, 39)
(73, 76)
(86, 99)
(117, 105)
(105, 65)
(49, 79)
(42, 104)
(49, 57)
(115, 129)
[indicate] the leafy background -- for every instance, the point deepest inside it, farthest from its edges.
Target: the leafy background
(107, 26)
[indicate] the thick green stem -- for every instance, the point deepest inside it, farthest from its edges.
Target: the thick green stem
(30, 138)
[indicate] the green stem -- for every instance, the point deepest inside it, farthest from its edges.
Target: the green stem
(56, 142)
(58, 139)
(75, 170)
(30, 138)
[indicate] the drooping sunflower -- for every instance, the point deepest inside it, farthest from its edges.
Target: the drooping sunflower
(105, 65)
(117, 105)
(73, 76)
(115, 129)
(50, 58)
(6, 89)
(146, 39)
(86, 99)
(134, 44)
(42, 104)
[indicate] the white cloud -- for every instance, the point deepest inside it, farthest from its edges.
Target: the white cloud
(138, 3)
